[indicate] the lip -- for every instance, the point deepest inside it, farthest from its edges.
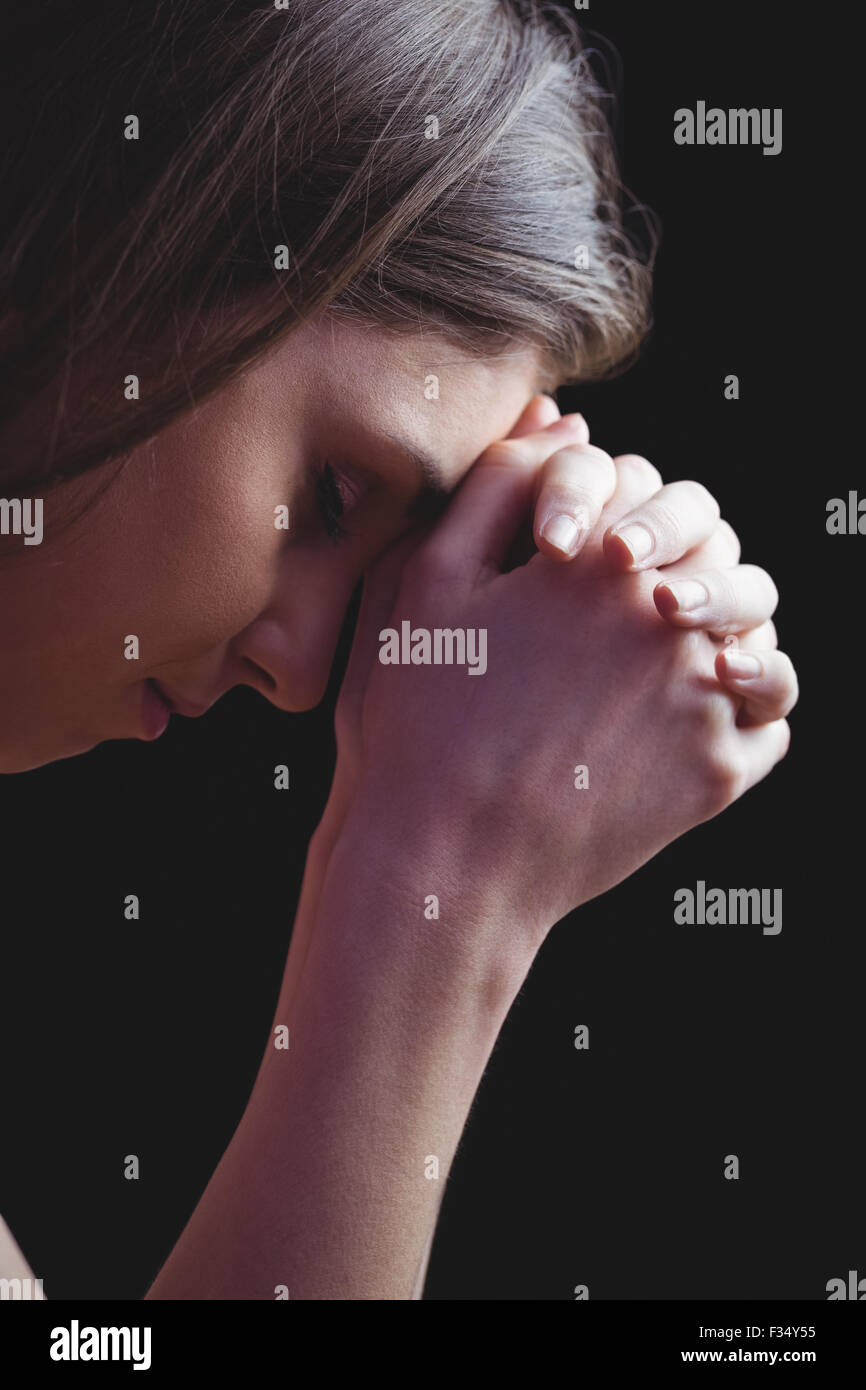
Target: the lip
(176, 704)
(156, 711)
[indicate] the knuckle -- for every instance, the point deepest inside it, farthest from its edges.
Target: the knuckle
(591, 462)
(602, 463)
(702, 495)
(766, 635)
(790, 684)
(784, 739)
(577, 477)
(665, 520)
(723, 776)
(639, 468)
(762, 638)
(760, 576)
(730, 537)
(572, 499)
(504, 453)
(774, 592)
(607, 471)
(723, 593)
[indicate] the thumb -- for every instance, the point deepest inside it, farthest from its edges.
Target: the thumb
(477, 531)
(381, 586)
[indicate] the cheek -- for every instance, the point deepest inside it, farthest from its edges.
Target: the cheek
(207, 554)
(195, 551)
(207, 581)
(182, 579)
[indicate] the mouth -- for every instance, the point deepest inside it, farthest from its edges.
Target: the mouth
(178, 704)
(156, 711)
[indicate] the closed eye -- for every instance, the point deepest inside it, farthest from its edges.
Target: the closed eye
(334, 498)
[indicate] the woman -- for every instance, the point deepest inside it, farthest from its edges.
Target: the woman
(279, 279)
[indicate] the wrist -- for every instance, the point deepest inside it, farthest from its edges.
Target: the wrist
(414, 884)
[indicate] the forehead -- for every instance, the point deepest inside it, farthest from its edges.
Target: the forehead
(422, 387)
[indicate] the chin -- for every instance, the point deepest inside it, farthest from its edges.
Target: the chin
(14, 759)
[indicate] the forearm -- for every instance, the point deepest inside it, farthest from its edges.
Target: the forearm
(326, 1187)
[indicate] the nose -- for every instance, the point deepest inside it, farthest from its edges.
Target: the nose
(289, 648)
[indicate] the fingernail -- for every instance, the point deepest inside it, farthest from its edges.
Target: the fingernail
(638, 540)
(688, 595)
(563, 532)
(741, 665)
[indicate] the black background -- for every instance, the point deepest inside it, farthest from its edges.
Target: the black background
(602, 1167)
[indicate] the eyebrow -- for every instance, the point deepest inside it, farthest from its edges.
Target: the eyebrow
(434, 491)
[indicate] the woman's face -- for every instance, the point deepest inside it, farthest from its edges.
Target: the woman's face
(187, 551)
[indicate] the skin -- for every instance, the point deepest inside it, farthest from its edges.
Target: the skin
(181, 550)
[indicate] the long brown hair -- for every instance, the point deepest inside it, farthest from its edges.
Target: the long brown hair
(440, 161)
